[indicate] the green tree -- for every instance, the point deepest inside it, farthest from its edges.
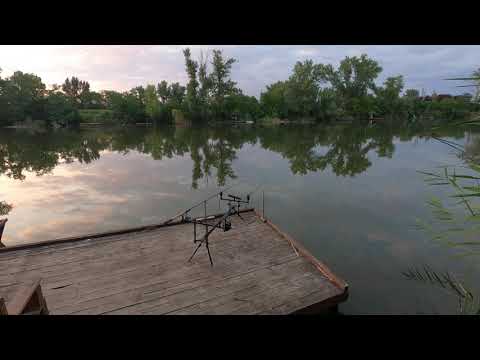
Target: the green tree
(8, 110)
(93, 100)
(60, 109)
(191, 99)
(24, 93)
(243, 106)
(77, 90)
(205, 83)
(139, 93)
(301, 95)
(221, 84)
(163, 91)
(132, 109)
(152, 104)
(412, 93)
(272, 101)
(352, 82)
(176, 95)
(388, 96)
(476, 76)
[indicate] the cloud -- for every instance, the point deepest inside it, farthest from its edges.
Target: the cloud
(122, 67)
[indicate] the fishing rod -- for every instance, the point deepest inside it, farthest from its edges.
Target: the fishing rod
(198, 204)
(223, 223)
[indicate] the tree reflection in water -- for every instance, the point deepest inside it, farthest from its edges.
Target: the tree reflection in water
(309, 148)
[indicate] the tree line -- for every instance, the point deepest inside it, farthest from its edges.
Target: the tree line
(313, 91)
(320, 91)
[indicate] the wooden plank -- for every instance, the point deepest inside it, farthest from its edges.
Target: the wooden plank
(147, 272)
(160, 288)
(321, 267)
(65, 270)
(98, 235)
(164, 303)
(27, 300)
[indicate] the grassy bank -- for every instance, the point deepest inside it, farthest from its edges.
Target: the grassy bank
(96, 116)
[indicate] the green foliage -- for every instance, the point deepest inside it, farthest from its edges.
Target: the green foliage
(5, 208)
(243, 107)
(128, 107)
(93, 100)
(60, 109)
(191, 100)
(319, 91)
(220, 83)
(176, 94)
(412, 93)
(77, 90)
(456, 225)
(312, 92)
(273, 101)
(132, 109)
(21, 97)
(468, 304)
(103, 116)
(207, 94)
(301, 94)
(388, 97)
(352, 81)
(152, 104)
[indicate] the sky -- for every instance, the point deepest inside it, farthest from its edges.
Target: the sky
(121, 67)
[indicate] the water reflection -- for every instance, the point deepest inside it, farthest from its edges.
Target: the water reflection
(350, 194)
(344, 149)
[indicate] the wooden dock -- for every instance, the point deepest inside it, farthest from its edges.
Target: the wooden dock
(257, 270)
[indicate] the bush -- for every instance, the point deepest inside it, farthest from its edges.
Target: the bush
(60, 110)
(96, 116)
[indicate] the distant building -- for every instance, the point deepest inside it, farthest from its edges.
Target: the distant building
(441, 97)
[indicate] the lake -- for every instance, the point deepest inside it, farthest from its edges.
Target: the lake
(350, 194)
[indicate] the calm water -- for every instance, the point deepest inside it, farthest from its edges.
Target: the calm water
(351, 195)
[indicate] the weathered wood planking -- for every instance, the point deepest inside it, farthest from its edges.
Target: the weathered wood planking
(257, 269)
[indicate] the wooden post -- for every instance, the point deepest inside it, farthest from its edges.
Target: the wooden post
(263, 206)
(3, 308)
(28, 300)
(2, 226)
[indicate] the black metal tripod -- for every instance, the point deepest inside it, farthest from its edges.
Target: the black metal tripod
(223, 223)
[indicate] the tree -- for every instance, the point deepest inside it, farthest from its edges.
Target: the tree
(205, 81)
(388, 96)
(163, 91)
(352, 82)
(302, 89)
(243, 106)
(112, 100)
(126, 106)
(77, 90)
(8, 110)
(139, 93)
(220, 82)
(176, 95)
(25, 93)
(476, 76)
(192, 85)
(152, 105)
(412, 93)
(59, 109)
(272, 101)
(132, 109)
(93, 100)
